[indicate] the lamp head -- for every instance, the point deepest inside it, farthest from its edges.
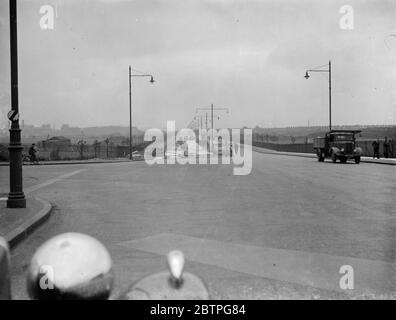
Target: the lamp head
(152, 79)
(306, 75)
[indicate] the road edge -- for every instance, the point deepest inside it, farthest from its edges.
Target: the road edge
(15, 236)
(50, 163)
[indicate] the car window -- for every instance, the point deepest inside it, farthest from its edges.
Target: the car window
(344, 137)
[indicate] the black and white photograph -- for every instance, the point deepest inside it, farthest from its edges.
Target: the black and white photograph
(218, 151)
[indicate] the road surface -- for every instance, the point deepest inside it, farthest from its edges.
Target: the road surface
(284, 231)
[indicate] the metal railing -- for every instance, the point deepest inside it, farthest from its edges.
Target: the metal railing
(366, 145)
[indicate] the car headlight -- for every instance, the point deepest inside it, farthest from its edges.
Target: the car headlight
(342, 149)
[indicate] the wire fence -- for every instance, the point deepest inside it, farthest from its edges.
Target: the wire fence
(366, 145)
(80, 151)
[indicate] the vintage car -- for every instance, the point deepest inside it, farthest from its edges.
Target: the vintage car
(338, 145)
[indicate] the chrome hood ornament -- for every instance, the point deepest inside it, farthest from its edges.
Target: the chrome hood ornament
(173, 284)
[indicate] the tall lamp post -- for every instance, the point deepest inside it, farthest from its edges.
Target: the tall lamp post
(130, 105)
(16, 197)
(319, 69)
(212, 110)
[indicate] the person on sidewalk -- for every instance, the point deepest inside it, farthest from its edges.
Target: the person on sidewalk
(386, 148)
(391, 148)
(33, 154)
(375, 145)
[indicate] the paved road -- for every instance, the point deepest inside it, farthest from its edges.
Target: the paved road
(283, 231)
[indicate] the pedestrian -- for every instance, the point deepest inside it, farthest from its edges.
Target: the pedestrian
(375, 145)
(32, 153)
(391, 148)
(386, 148)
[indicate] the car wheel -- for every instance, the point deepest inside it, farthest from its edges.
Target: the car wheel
(333, 157)
(357, 160)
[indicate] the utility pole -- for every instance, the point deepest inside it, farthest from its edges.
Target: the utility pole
(330, 94)
(130, 114)
(211, 140)
(212, 116)
(16, 197)
(130, 105)
(211, 109)
(319, 69)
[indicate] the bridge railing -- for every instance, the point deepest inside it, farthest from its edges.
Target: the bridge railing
(366, 145)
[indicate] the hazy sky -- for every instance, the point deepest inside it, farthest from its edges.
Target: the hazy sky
(249, 56)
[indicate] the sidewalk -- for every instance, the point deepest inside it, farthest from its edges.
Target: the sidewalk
(389, 161)
(17, 224)
(89, 161)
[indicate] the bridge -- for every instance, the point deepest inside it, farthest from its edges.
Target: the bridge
(283, 231)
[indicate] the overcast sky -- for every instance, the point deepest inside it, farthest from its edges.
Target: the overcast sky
(249, 56)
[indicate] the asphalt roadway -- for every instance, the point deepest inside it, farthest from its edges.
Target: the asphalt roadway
(284, 231)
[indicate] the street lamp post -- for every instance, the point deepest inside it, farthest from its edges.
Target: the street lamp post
(318, 69)
(130, 105)
(16, 197)
(198, 122)
(211, 109)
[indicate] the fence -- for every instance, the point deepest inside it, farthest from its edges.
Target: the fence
(367, 148)
(78, 152)
(75, 152)
(296, 147)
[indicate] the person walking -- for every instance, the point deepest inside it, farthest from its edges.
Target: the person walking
(32, 153)
(375, 145)
(386, 148)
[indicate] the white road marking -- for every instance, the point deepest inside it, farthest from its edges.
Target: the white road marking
(51, 181)
(312, 269)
